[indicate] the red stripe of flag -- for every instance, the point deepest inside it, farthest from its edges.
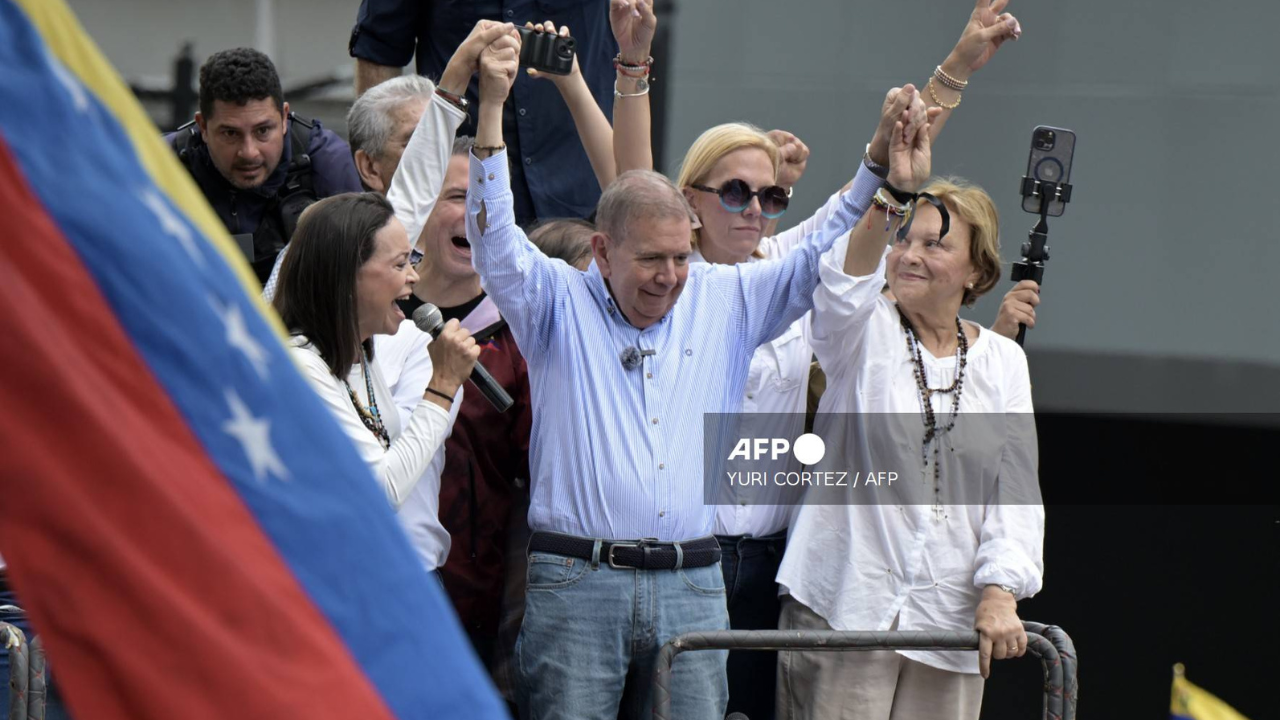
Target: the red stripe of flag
(171, 601)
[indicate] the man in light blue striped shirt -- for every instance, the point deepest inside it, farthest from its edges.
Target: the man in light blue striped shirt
(624, 360)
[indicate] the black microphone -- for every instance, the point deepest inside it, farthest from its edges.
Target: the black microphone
(430, 321)
(633, 357)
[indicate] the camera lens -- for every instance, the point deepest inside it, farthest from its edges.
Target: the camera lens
(564, 48)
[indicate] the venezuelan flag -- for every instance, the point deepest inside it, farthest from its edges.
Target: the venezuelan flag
(192, 535)
(1191, 702)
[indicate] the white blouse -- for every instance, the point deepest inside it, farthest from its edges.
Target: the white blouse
(860, 566)
(399, 467)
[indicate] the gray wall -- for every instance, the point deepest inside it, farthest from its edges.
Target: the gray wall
(1163, 261)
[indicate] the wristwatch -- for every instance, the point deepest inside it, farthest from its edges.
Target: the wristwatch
(879, 170)
(1008, 589)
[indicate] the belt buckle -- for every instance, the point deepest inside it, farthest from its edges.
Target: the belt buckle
(612, 563)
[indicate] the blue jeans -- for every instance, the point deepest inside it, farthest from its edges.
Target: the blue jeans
(750, 567)
(591, 635)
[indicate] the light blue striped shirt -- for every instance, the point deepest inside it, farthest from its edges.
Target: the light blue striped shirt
(617, 453)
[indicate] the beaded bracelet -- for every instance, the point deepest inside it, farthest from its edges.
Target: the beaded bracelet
(633, 70)
(492, 149)
(945, 79)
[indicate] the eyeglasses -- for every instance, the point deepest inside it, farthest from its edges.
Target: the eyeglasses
(735, 196)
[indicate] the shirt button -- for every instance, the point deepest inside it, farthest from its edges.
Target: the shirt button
(511, 13)
(662, 514)
(688, 352)
(480, 179)
(662, 466)
(528, 161)
(655, 421)
(523, 112)
(649, 375)
(490, 176)
(751, 396)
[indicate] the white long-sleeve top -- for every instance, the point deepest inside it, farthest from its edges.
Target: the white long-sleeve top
(406, 367)
(417, 181)
(399, 467)
(861, 565)
(777, 384)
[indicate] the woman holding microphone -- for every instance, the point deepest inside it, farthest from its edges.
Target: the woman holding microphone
(347, 266)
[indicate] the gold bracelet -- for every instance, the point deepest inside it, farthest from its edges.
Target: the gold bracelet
(490, 149)
(941, 104)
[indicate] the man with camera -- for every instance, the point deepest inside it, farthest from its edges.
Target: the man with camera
(551, 176)
(258, 164)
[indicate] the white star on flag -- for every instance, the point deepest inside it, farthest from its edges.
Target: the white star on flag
(254, 436)
(170, 223)
(78, 96)
(238, 336)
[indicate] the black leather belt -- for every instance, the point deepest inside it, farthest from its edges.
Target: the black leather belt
(645, 554)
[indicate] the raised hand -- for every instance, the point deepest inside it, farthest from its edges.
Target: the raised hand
(892, 109)
(910, 146)
(559, 80)
(499, 63)
(633, 24)
(986, 31)
(453, 354)
(794, 157)
(466, 59)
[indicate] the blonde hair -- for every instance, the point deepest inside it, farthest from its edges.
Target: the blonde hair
(712, 145)
(973, 205)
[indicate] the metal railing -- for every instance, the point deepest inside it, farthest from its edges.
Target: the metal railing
(1049, 643)
(27, 683)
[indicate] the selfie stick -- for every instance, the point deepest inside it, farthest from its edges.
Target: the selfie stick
(1036, 250)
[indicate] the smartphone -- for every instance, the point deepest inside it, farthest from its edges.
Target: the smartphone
(545, 52)
(1049, 162)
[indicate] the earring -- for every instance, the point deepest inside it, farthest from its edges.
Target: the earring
(970, 286)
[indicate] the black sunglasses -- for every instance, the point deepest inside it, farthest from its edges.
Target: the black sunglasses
(735, 196)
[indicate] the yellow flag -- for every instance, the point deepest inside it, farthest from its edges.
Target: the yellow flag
(1191, 702)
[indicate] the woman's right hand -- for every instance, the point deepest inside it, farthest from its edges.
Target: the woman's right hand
(634, 25)
(453, 354)
(910, 151)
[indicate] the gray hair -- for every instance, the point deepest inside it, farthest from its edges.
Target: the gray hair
(639, 195)
(369, 125)
(462, 145)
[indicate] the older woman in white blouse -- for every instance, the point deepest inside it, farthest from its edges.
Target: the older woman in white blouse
(946, 405)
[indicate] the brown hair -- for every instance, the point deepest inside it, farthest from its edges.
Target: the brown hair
(316, 292)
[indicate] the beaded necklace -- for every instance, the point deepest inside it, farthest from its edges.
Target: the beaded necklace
(932, 431)
(370, 416)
